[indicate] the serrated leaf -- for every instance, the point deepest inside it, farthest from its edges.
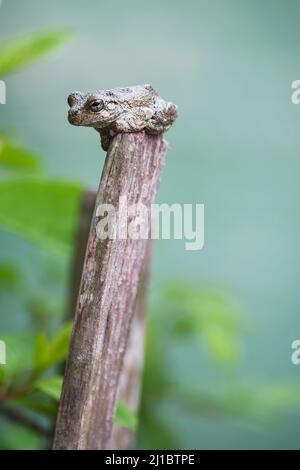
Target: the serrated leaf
(51, 386)
(17, 54)
(43, 211)
(124, 416)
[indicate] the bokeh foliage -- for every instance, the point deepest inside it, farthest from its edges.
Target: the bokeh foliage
(206, 318)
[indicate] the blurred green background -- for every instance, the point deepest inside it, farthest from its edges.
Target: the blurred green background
(229, 66)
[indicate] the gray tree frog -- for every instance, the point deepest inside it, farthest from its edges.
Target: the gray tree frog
(120, 110)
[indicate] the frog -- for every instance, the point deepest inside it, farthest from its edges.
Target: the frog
(122, 110)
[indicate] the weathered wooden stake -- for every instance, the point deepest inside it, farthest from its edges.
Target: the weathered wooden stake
(129, 389)
(130, 122)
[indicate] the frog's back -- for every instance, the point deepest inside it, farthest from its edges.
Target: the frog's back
(140, 95)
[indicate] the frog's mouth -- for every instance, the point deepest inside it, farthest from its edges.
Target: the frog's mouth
(78, 118)
(75, 117)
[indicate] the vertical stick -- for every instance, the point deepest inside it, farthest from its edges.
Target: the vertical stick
(130, 380)
(106, 300)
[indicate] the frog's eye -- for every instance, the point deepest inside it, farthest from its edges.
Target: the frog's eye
(96, 105)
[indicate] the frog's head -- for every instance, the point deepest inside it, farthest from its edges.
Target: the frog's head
(97, 110)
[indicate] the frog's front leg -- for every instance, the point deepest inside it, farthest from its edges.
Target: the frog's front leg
(134, 121)
(105, 138)
(163, 118)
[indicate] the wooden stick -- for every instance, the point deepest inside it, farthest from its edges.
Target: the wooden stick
(130, 380)
(111, 272)
(106, 301)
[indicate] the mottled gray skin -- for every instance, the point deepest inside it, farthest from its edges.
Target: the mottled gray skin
(129, 109)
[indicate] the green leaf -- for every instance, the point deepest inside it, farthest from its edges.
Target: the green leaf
(41, 352)
(43, 310)
(51, 386)
(51, 352)
(59, 345)
(16, 158)
(43, 211)
(19, 53)
(35, 401)
(211, 315)
(222, 346)
(262, 402)
(124, 416)
(19, 353)
(9, 275)
(19, 437)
